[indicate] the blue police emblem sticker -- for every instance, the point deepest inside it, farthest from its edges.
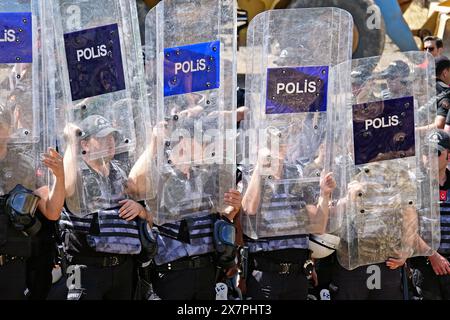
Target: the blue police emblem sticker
(191, 68)
(383, 130)
(16, 38)
(94, 61)
(297, 89)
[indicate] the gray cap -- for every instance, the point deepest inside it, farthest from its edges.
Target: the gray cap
(97, 126)
(441, 138)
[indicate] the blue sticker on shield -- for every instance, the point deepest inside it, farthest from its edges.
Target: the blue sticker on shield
(384, 130)
(192, 68)
(297, 89)
(94, 60)
(16, 38)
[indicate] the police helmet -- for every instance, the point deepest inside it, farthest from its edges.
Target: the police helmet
(323, 245)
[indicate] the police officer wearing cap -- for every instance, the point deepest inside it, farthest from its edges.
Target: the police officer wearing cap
(395, 88)
(103, 242)
(442, 90)
(435, 269)
(279, 266)
(27, 245)
(188, 261)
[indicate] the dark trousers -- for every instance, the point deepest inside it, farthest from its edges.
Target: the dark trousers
(188, 284)
(32, 276)
(13, 281)
(265, 284)
(108, 283)
(39, 276)
(353, 284)
(434, 287)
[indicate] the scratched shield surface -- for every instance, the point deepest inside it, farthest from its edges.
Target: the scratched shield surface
(392, 193)
(98, 71)
(22, 124)
(284, 136)
(191, 76)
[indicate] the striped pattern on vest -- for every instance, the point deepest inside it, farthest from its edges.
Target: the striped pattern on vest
(444, 197)
(113, 235)
(199, 238)
(277, 243)
(283, 209)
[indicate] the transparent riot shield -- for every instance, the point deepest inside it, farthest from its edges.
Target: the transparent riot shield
(190, 65)
(390, 209)
(101, 107)
(20, 105)
(288, 94)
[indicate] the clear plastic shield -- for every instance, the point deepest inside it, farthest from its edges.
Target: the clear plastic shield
(288, 94)
(102, 104)
(390, 209)
(20, 101)
(190, 65)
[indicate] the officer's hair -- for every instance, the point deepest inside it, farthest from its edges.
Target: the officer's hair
(442, 65)
(439, 42)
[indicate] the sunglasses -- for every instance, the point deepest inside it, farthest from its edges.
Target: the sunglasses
(431, 49)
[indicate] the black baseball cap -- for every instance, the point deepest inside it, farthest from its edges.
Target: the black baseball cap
(440, 138)
(97, 126)
(396, 69)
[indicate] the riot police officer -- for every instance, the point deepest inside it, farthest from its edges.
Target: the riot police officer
(386, 214)
(442, 90)
(279, 265)
(27, 217)
(185, 266)
(435, 269)
(103, 240)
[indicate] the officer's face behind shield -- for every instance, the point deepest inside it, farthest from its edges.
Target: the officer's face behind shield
(95, 147)
(185, 152)
(190, 143)
(428, 151)
(271, 158)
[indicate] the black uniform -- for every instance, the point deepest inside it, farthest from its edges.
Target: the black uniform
(435, 287)
(25, 262)
(353, 284)
(185, 267)
(108, 275)
(443, 99)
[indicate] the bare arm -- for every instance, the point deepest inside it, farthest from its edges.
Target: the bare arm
(318, 215)
(140, 181)
(70, 158)
(51, 203)
(252, 196)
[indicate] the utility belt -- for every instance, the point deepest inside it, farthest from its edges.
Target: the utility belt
(261, 263)
(194, 262)
(101, 261)
(8, 259)
(196, 229)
